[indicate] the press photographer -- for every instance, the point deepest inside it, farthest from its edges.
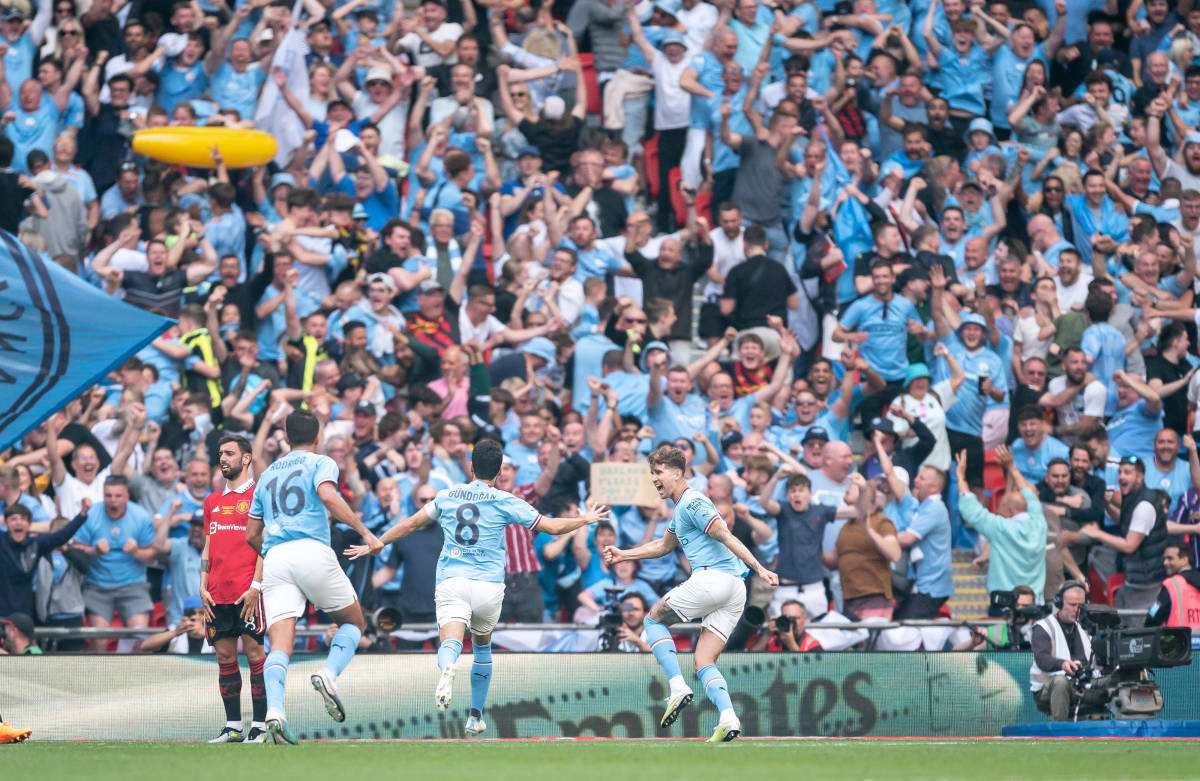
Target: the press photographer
(787, 632)
(1021, 610)
(631, 633)
(1061, 648)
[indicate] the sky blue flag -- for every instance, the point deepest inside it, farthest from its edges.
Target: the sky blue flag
(58, 336)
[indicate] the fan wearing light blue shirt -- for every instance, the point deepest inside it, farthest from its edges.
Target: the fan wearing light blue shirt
(288, 524)
(1104, 346)
(470, 570)
(963, 66)
(1138, 419)
(1035, 449)
(879, 324)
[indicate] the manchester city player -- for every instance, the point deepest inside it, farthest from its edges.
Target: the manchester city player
(714, 594)
(470, 570)
(289, 525)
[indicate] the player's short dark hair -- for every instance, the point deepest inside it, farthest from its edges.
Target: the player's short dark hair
(1185, 551)
(668, 456)
(21, 510)
(301, 428)
(1029, 412)
(243, 445)
(486, 459)
(1099, 306)
(797, 480)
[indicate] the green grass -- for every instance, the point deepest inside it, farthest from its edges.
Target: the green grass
(652, 760)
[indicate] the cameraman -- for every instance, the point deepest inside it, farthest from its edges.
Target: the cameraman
(633, 611)
(17, 633)
(1014, 634)
(788, 631)
(1061, 648)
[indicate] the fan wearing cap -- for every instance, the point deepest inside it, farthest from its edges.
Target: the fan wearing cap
(528, 185)
(882, 433)
(385, 324)
(985, 376)
(672, 105)
(17, 632)
(380, 100)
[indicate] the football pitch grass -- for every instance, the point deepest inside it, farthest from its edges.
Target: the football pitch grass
(610, 760)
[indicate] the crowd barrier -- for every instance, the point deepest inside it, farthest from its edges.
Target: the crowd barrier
(550, 695)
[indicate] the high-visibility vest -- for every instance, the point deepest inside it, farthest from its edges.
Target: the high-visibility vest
(202, 339)
(1185, 602)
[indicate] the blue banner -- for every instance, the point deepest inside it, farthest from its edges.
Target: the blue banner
(58, 336)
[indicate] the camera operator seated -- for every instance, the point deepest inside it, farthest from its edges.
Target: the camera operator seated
(624, 577)
(787, 631)
(633, 635)
(1061, 648)
(998, 636)
(1179, 598)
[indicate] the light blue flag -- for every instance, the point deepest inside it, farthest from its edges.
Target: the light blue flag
(58, 336)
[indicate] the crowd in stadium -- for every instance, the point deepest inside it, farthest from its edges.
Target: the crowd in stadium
(898, 277)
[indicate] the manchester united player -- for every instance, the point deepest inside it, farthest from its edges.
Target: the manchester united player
(230, 585)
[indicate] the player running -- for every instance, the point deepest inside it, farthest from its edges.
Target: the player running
(470, 570)
(230, 587)
(715, 593)
(288, 524)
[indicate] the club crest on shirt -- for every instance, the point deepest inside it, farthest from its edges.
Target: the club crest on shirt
(243, 506)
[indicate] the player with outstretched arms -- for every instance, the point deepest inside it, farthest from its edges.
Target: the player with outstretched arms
(470, 570)
(714, 594)
(230, 588)
(289, 525)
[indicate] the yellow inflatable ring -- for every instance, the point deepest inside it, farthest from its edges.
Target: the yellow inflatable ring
(192, 146)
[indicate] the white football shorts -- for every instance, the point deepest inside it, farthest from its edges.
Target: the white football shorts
(475, 603)
(300, 571)
(713, 597)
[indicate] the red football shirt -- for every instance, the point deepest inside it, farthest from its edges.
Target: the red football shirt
(231, 560)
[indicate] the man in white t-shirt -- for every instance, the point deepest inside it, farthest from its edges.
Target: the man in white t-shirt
(1076, 397)
(728, 251)
(476, 323)
(381, 101)
(88, 480)
(430, 39)
(1071, 283)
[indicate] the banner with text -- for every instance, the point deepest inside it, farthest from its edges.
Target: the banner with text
(549, 695)
(620, 485)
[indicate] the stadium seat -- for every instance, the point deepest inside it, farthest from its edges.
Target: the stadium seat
(1113, 586)
(650, 153)
(1097, 594)
(944, 611)
(994, 481)
(595, 103)
(703, 200)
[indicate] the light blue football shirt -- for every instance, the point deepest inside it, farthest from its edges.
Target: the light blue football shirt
(694, 514)
(286, 499)
(473, 518)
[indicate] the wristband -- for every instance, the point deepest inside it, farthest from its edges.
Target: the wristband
(254, 584)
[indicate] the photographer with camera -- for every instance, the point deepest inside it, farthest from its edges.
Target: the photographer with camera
(1061, 650)
(632, 634)
(787, 631)
(1014, 634)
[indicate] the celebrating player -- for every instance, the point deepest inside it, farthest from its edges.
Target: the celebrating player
(715, 593)
(230, 587)
(288, 525)
(470, 570)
